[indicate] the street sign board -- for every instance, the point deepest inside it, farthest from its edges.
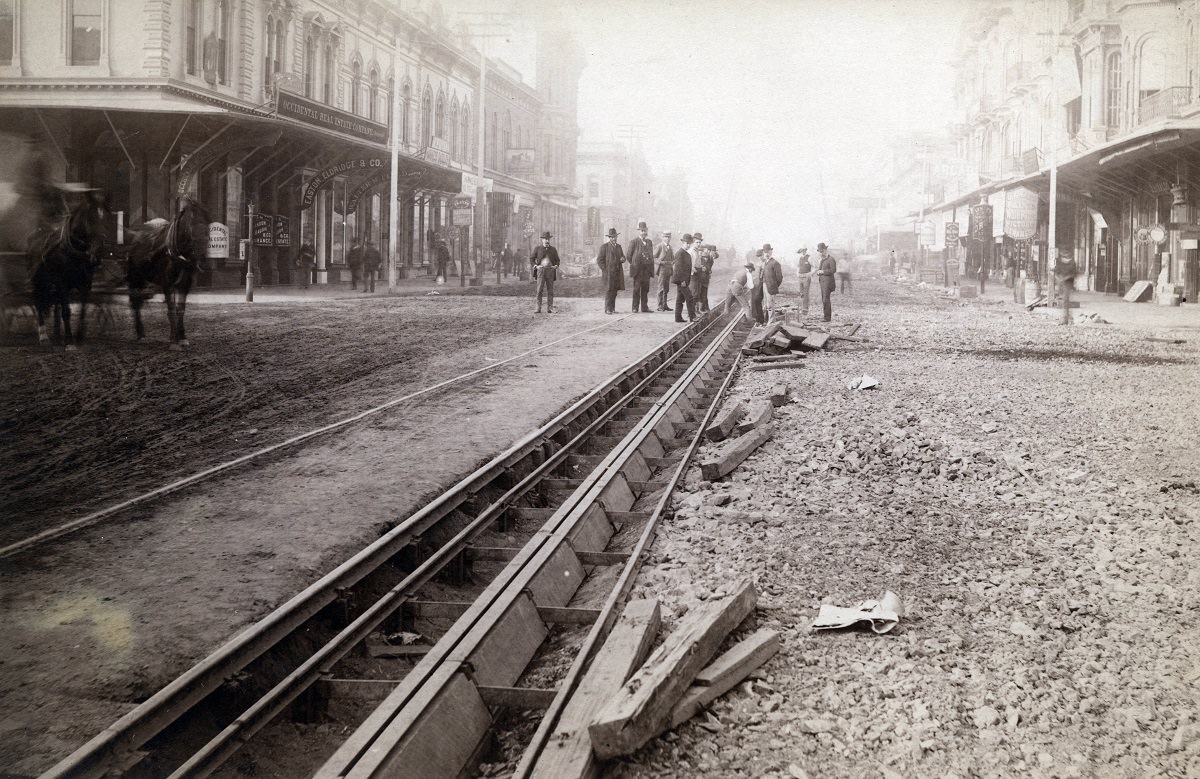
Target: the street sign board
(528, 229)
(866, 202)
(951, 232)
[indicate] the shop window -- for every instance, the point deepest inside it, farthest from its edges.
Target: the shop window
(7, 31)
(85, 32)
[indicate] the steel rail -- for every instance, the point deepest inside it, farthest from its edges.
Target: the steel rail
(207, 473)
(116, 743)
(417, 708)
(222, 746)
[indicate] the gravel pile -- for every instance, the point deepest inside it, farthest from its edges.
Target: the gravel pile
(1030, 492)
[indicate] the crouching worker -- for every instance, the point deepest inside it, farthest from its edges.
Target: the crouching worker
(739, 290)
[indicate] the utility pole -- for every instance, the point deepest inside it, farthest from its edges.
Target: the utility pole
(484, 20)
(631, 132)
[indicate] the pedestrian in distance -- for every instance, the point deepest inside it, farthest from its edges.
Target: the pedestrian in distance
(1064, 279)
(641, 268)
(826, 277)
(664, 257)
(611, 260)
(843, 275)
(892, 262)
(804, 269)
(354, 258)
(700, 267)
(681, 277)
(441, 254)
(371, 261)
(772, 278)
(508, 260)
(739, 290)
(306, 261)
(543, 262)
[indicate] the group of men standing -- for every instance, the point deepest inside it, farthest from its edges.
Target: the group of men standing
(755, 287)
(689, 268)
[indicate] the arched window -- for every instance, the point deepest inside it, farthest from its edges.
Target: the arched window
(373, 103)
(1112, 90)
(439, 118)
(192, 35)
(1190, 54)
(310, 65)
(507, 139)
(355, 87)
(329, 73)
(273, 58)
(391, 96)
(427, 117)
(454, 150)
(465, 134)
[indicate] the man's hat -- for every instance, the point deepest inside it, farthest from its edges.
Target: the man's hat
(758, 253)
(697, 237)
(821, 247)
(546, 234)
(687, 238)
(642, 226)
(750, 265)
(767, 247)
(612, 233)
(667, 234)
(802, 250)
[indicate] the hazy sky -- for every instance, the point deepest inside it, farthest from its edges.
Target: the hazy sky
(762, 101)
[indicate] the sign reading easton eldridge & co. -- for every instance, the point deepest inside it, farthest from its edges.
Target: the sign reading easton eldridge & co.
(321, 115)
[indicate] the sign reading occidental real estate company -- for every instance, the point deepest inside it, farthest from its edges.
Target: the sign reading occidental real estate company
(321, 115)
(1020, 213)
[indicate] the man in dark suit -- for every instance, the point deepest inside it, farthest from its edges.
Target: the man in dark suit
(610, 259)
(664, 255)
(544, 263)
(641, 268)
(681, 277)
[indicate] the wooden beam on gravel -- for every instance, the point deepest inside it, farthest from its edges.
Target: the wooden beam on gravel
(776, 357)
(760, 414)
(517, 697)
(569, 755)
(725, 673)
(779, 395)
(815, 341)
(734, 451)
(772, 366)
(725, 422)
(642, 708)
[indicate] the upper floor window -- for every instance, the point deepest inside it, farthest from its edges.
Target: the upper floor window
(391, 97)
(273, 57)
(465, 133)
(439, 118)
(192, 36)
(1112, 90)
(427, 118)
(355, 87)
(85, 32)
(454, 150)
(405, 113)
(373, 96)
(7, 32)
(328, 71)
(310, 66)
(222, 30)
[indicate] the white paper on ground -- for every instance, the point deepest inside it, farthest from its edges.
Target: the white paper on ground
(883, 614)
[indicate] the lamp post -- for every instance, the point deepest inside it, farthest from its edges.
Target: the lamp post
(250, 253)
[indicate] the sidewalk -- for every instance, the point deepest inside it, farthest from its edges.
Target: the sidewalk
(1112, 308)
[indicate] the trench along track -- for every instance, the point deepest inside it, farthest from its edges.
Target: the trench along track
(628, 414)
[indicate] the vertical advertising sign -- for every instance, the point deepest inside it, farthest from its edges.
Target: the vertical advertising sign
(283, 235)
(262, 232)
(1020, 213)
(980, 228)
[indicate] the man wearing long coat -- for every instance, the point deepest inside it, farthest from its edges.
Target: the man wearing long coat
(641, 268)
(681, 277)
(664, 255)
(611, 259)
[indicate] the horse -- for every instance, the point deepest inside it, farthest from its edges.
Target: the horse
(62, 257)
(168, 255)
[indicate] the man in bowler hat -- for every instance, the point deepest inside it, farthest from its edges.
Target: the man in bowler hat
(610, 259)
(681, 277)
(826, 277)
(664, 255)
(641, 268)
(544, 263)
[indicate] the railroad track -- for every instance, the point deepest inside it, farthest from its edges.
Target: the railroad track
(566, 488)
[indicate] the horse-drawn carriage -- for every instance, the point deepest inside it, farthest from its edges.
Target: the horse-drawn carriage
(57, 248)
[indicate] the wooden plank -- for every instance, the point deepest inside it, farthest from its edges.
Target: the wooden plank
(734, 451)
(795, 333)
(569, 755)
(517, 697)
(603, 558)
(725, 422)
(781, 341)
(777, 357)
(774, 366)
(725, 673)
(564, 615)
(779, 395)
(760, 414)
(814, 342)
(642, 708)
